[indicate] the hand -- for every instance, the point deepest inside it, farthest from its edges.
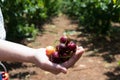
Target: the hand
(42, 61)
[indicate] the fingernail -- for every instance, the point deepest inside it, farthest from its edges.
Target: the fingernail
(64, 70)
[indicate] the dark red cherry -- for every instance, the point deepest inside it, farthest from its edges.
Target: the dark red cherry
(72, 46)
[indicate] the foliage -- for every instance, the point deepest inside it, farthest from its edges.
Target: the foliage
(20, 15)
(119, 63)
(29, 32)
(53, 7)
(95, 15)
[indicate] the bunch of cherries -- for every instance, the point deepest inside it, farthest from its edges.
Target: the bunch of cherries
(62, 51)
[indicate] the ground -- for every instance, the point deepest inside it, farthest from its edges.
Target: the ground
(95, 64)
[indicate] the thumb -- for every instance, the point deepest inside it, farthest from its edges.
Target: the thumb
(57, 68)
(61, 68)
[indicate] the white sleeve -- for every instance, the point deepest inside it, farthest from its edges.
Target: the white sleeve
(2, 30)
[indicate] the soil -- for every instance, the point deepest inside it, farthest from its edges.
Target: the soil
(99, 62)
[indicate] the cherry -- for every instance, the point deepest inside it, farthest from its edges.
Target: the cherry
(64, 39)
(55, 57)
(62, 47)
(50, 50)
(72, 46)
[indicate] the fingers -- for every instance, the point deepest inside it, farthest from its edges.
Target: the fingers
(74, 58)
(59, 68)
(71, 61)
(78, 52)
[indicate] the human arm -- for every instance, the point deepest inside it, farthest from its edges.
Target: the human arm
(10, 51)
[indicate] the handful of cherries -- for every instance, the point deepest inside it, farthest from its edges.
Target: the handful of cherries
(62, 51)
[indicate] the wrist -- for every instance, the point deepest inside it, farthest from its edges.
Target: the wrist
(38, 57)
(32, 58)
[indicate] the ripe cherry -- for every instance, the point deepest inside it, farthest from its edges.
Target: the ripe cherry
(62, 47)
(55, 57)
(72, 46)
(50, 50)
(64, 39)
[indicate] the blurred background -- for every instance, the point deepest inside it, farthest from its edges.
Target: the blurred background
(93, 24)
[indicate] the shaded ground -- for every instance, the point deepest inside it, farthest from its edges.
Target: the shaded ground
(95, 64)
